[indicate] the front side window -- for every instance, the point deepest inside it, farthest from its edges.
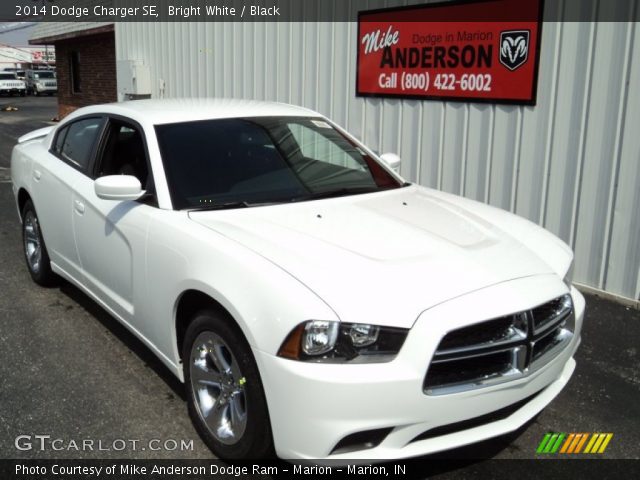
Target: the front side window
(78, 142)
(124, 153)
(236, 162)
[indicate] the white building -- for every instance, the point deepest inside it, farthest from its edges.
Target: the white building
(27, 57)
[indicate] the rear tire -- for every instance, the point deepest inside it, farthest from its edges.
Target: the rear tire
(35, 250)
(226, 400)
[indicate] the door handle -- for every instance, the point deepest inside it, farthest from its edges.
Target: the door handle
(36, 175)
(79, 206)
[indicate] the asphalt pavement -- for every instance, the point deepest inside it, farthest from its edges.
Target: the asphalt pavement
(68, 370)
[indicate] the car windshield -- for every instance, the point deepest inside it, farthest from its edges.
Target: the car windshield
(7, 76)
(44, 75)
(243, 162)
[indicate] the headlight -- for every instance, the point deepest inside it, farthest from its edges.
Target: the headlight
(336, 342)
(568, 277)
(319, 337)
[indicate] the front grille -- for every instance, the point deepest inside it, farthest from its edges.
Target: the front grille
(50, 84)
(500, 349)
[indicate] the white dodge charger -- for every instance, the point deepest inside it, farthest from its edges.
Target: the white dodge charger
(315, 304)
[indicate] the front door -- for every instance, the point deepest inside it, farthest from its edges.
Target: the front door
(111, 234)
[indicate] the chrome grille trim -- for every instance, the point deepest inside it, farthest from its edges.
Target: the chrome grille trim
(516, 333)
(560, 339)
(532, 337)
(469, 355)
(561, 307)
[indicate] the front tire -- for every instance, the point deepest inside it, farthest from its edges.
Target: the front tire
(224, 391)
(35, 250)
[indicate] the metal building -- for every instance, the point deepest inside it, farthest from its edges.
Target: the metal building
(571, 163)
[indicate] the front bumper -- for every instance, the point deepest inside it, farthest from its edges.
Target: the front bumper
(13, 90)
(45, 89)
(314, 406)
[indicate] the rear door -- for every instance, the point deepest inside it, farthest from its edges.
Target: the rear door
(54, 176)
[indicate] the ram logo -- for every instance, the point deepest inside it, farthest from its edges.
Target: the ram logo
(514, 48)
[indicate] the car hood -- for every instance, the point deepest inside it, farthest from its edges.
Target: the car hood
(384, 258)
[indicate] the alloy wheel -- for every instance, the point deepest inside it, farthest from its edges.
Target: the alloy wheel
(218, 388)
(32, 244)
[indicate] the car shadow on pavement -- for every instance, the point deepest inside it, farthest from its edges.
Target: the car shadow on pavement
(123, 335)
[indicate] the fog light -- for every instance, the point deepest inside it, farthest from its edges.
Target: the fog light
(319, 337)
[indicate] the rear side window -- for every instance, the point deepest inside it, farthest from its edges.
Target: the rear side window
(57, 147)
(78, 142)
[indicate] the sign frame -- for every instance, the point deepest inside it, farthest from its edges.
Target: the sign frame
(531, 101)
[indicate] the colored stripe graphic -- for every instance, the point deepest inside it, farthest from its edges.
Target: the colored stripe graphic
(581, 443)
(556, 446)
(567, 442)
(605, 443)
(600, 442)
(573, 443)
(550, 443)
(543, 443)
(594, 437)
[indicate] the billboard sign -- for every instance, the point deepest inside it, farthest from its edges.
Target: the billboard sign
(467, 51)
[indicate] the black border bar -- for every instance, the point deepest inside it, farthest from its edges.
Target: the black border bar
(280, 10)
(118, 469)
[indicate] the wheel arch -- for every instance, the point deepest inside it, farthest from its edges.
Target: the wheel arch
(188, 304)
(23, 198)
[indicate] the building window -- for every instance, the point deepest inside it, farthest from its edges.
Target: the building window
(74, 63)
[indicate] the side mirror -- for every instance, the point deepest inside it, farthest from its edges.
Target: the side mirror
(392, 160)
(118, 187)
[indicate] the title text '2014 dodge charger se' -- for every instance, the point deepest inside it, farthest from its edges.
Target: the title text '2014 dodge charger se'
(315, 304)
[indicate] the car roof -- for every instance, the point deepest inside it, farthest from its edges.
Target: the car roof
(192, 109)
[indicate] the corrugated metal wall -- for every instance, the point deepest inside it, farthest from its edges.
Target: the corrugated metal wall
(571, 163)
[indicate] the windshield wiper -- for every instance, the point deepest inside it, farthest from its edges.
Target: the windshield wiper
(229, 205)
(222, 206)
(339, 192)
